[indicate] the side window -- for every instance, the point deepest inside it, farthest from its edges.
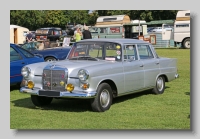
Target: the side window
(14, 55)
(56, 32)
(26, 53)
(114, 30)
(145, 52)
(130, 52)
(113, 52)
(50, 32)
(103, 30)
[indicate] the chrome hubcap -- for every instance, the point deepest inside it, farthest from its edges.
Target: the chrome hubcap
(160, 83)
(104, 98)
(187, 44)
(49, 60)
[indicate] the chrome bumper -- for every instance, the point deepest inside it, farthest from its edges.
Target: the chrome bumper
(65, 94)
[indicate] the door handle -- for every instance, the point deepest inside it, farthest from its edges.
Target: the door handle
(141, 65)
(23, 63)
(157, 63)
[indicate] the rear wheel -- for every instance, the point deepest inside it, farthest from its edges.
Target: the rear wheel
(41, 100)
(186, 43)
(160, 85)
(103, 100)
(48, 59)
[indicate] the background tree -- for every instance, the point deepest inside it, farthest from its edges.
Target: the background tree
(77, 16)
(33, 19)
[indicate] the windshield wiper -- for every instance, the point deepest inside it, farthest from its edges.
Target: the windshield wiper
(84, 58)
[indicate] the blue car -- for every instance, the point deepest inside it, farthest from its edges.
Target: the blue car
(50, 51)
(20, 57)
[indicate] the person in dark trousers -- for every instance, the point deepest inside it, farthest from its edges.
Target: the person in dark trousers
(29, 37)
(86, 33)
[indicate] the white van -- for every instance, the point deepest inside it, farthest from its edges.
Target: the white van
(181, 31)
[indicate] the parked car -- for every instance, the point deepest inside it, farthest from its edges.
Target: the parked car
(49, 33)
(50, 51)
(159, 29)
(20, 57)
(99, 74)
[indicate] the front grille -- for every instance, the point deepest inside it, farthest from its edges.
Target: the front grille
(54, 80)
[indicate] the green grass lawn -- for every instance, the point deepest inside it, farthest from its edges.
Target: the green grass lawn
(170, 110)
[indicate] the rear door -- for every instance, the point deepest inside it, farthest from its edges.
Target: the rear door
(150, 64)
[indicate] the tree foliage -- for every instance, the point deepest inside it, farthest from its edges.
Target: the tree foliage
(33, 19)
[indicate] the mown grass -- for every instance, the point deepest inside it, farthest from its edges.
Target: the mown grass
(145, 110)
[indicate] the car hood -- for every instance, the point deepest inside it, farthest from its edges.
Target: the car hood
(73, 66)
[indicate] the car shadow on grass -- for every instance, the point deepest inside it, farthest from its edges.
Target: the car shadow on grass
(14, 87)
(74, 105)
(131, 96)
(70, 105)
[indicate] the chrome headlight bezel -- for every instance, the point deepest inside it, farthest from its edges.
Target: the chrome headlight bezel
(25, 71)
(83, 75)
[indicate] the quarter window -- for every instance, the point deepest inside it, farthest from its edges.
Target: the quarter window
(145, 52)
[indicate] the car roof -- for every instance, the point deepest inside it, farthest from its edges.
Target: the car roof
(51, 28)
(12, 44)
(115, 40)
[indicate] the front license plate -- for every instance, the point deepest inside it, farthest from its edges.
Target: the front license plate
(49, 93)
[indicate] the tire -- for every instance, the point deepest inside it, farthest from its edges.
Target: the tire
(49, 59)
(186, 43)
(103, 100)
(41, 100)
(160, 85)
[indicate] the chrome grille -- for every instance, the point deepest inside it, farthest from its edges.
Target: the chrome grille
(54, 80)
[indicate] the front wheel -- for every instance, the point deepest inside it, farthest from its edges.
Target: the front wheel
(160, 85)
(103, 100)
(49, 59)
(41, 100)
(186, 43)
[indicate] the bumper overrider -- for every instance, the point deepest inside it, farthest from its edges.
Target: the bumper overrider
(61, 94)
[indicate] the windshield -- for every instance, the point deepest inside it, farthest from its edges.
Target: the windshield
(42, 31)
(93, 30)
(96, 51)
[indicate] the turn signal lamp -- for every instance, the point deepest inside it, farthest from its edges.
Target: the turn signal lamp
(85, 86)
(70, 87)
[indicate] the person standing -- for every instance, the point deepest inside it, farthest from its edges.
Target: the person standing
(86, 33)
(29, 37)
(78, 35)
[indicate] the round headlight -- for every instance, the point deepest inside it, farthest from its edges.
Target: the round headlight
(83, 75)
(25, 71)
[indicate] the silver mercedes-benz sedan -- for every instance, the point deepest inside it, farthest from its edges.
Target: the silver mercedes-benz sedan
(99, 70)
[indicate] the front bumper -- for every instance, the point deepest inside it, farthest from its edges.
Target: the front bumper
(65, 94)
